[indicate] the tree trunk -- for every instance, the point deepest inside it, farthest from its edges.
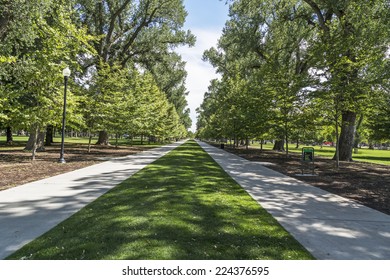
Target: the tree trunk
(10, 138)
(347, 136)
(35, 141)
(337, 154)
(41, 142)
(286, 141)
(103, 138)
(357, 139)
(279, 145)
(286, 134)
(49, 135)
(116, 140)
(89, 141)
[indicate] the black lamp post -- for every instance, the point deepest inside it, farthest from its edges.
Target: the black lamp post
(66, 74)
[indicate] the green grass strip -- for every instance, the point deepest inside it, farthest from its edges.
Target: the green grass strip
(20, 141)
(183, 206)
(363, 155)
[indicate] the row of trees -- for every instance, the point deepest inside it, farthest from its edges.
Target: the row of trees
(126, 76)
(301, 70)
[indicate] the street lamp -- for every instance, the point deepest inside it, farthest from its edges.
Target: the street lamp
(66, 74)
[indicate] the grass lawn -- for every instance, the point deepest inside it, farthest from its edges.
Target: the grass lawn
(183, 206)
(363, 155)
(20, 141)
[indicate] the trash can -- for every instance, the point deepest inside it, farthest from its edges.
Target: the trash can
(222, 146)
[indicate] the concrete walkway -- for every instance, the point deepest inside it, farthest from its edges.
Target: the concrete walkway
(329, 226)
(30, 210)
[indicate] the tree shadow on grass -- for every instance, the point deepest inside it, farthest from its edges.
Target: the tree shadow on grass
(181, 207)
(330, 226)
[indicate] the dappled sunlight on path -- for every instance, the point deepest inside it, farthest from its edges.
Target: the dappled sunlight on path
(30, 210)
(329, 226)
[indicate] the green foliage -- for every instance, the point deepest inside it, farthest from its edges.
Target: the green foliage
(305, 65)
(121, 100)
(170, 77)
(32, 82)
(141, 33)
(378, 122)
(107, 45)
(154, 114)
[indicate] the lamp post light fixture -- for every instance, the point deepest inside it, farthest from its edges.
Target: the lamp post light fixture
(66, 74)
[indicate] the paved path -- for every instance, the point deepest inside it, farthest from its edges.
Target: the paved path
(329, 226)
(30, 210)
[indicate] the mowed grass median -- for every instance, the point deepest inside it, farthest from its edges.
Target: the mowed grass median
(183, 206)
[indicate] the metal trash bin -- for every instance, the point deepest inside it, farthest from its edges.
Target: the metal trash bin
(222, 146)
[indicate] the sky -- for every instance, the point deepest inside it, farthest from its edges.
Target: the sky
(206, 19)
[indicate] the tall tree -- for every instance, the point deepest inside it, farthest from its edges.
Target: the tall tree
(353, 37)
(339, 48)
(136, 32)
(264, 45)
(170, 75)
(32, 79)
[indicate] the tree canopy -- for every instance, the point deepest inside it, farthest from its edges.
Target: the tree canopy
(126, 76)
(305, 65)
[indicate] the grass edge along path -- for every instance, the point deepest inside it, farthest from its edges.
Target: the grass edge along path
(182, 206)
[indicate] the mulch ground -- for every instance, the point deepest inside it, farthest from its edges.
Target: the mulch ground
(16, 167)
(368, 184)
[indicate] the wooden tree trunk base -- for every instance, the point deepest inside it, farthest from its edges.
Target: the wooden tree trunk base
(39, 142)
(10, 138)
(347, 136)
(279, 145)
(49, 135)
(104, 139)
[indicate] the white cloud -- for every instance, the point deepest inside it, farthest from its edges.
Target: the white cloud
(200, 73)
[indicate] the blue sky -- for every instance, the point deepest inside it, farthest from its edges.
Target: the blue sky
(206, 13)
(206, 19)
